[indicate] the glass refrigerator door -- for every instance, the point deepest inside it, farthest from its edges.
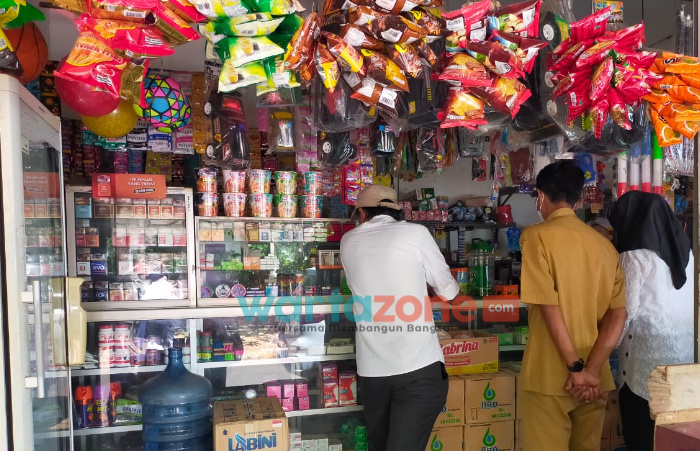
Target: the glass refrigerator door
(34, 276)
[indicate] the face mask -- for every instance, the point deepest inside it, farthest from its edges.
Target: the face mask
(538, 206)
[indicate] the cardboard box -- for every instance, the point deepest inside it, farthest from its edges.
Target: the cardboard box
(471, 355)
(514, 368)
(347, 388)
(489, 436)
(453, 412)
(489, 398)
(617, 439)
(330, 394)
(447, 439)
(519, 444)
(259, 422)
(678, 437)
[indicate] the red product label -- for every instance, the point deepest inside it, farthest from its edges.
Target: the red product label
(459, 348)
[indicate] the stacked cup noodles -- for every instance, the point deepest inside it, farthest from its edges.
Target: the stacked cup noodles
(260, 199)
(234, 193)
(207, 196)
(311, 200)
(286, 198)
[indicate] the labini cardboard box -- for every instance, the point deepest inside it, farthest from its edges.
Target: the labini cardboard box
(242, 425)
(471, 355)
(453, 412)
(498, 436)
(446, 439)
(489, 397)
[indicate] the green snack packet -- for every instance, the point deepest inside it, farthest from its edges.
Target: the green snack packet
(277, 76)
(27, 13)
(276, 7)
(255, 24)
(232, 78)
(247, 50)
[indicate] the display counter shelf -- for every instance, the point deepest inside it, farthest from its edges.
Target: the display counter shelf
(280, 361)
(466, 225)
(326, 411)
(132, 305)
(507, 348)
(89, 431)
(124, 370)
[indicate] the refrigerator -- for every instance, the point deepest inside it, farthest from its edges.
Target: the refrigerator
(41, 314)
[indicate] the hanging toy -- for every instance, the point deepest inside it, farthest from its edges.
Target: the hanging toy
(166, 107)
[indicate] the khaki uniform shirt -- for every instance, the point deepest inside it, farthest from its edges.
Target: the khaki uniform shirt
(569, 264)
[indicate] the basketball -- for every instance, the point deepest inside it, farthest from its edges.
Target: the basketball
(31, 50)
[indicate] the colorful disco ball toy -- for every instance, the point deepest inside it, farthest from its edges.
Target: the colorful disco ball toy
(166, 107)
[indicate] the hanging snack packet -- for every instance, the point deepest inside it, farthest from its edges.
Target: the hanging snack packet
(600, 81)
(74, 6)
(680, 112)
(435, 26)
(470, 19)
(462, 109)
(396, 30)
(497, 58)
(255, 24)
(630, 84)
(186, 11)
(394, 6)
(672, 63)
(522, 18)
(406, 57)
(276, 7)
(384, 70)
(618, 109)
(277, 75)
(569, 81)
(300, 48)
(666, 135)
(349, 59)
(657, 96)
(19, 13)
(354, 36)
(686, 128)
(640, 60)
(591, 26)
(668, 82)
(505, 95)
(9, 64)
(525, 48)
(690, 80)
(568, 59)
(232, 77)
(133, 40)
(175, 30)
(578, 100)
(220, 9)
(426, 52)
(132, 10)
(383, 98)
(363, 15)
(307, 72)
(628, 39)
(686, 94)
(327, 67)
(599, 116)
(466, 70)
(247, 50)
(594, 55)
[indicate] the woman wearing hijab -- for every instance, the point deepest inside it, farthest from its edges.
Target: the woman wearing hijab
(657, 261)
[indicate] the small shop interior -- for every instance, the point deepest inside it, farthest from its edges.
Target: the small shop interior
(265, 119)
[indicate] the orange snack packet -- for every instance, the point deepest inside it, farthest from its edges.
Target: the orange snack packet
(668, 82)
(666, 135)
(686, 128)
(680, 112)
(657, 96)
(673, 63)
(691, 80)
(686, 94)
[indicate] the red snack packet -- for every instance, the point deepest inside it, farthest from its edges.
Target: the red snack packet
(462, 109)
(600, 80)
(639, 60)
(469, 18)
(521, 18)
(562, 48)
(594, 55)
(465, 69)
(348, 58)
(629, 39)
(497, 58)
(383, 98)
(133, 10)
(630, 84)
(568, 59)
(406, 57)
(356, 37)
(426, 52)
(134, 40)
(175, 30)
(591, 26)
(572, 80)
(525, 48)
(578, 101)
(300, 48)
(599, 115)
(384, 71)
(505, 95)
(618, 109)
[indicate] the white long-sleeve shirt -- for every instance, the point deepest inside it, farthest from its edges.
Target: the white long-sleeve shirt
(385, 257)
(659, 328)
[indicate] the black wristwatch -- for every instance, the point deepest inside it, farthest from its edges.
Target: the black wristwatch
(577, 366)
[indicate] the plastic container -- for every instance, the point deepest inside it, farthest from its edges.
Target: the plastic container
(286, 206)
(234, 181)
(310, 206)
(313, 184)
(234, 204)
(259, 181)
(286, 182)
(481, 268)
(260, 205)
(461, 275)
(177, 409)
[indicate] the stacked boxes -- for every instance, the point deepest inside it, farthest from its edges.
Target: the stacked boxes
(449, 427)
(293, 394)
(490, 410)
(260, 423)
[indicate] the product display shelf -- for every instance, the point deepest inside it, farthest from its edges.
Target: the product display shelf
(133, 305)
(326, 411)
(508, 348)
(279, 361)
(112, 371)
(89, 431)
(254, 304)
(466, 225)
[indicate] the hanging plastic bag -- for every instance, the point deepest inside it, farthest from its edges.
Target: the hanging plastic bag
(337, 111)
(335, 149)
(382, 141)
(430, 147)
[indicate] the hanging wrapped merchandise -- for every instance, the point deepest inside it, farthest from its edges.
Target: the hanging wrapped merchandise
(130, 39)
(229, 146)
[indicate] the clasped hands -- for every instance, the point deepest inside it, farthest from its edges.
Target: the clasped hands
(585, 386)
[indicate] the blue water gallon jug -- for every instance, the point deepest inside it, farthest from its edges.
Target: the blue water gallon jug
(177, 409)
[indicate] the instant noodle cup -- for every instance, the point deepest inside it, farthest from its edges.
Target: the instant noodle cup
(259, 181)
(286, 206)
(286, 182)
(207, 204)
(206, 180)
(313, 183)
(234, 204)
(311, 206)
(234, 181)
(260, 204)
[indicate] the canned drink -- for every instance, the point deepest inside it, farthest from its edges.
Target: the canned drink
(105, 357)
(105, 335)
(122, 357)
(154, 357)
(122, 336)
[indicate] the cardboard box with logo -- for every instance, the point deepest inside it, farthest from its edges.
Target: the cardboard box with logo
(489, 436)
(519, 444)
(446, 439)
(242, 425)
(471, 355)
(514, 369)
(453, 412)
(489, 397)
(614, 421)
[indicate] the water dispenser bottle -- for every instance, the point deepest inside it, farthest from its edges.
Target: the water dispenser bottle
(177, 409)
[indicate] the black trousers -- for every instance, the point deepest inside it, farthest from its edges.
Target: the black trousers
(400, 411)
(637, 425)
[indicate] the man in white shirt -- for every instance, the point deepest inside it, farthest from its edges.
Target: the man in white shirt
(389, 264)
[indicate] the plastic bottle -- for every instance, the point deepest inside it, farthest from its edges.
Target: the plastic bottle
(177, 409)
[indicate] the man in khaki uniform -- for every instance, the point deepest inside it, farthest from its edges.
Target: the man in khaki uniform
(575, 290)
